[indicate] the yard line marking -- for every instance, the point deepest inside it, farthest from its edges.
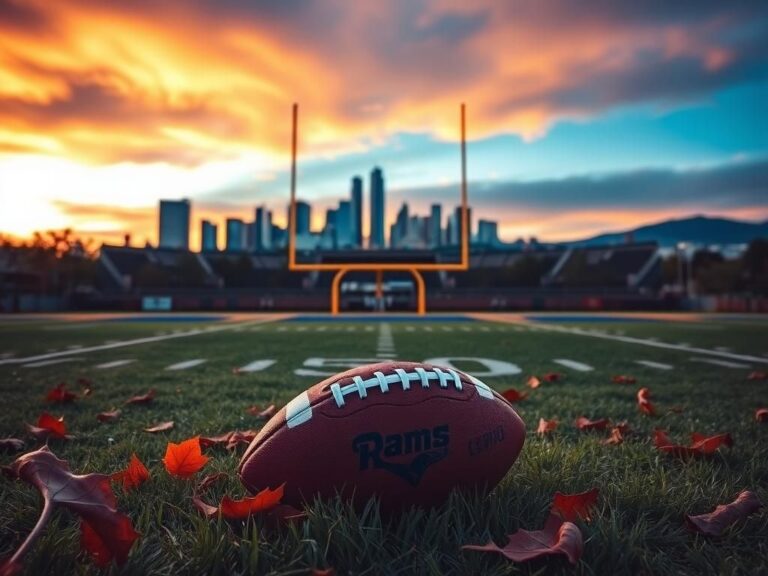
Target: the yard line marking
(321, 329)
(282, 328)
(186, 364)
(573, 365)
(257, 366)
(657, 365)
(723, 363)
(114, 363)
(369, 328)
(722, 348)
(384, 355)
(351, 329)
(447, 329)
(465, 329)
(123, 343)
(428, 329)
(485, 329)
(49, 362)
(301, 329)
(409, 328)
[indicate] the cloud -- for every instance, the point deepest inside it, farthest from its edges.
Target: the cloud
(190, 82)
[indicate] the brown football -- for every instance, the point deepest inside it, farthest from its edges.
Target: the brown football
(405, 432)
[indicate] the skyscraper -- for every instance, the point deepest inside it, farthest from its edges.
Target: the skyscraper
(400, 230)
(208, 236)
(174, 224)
(303, 217)
(377, 209)
(236, 235)
(344, 236)
(458, 225)
(488, 232)
(262, 229)
(357, 212)
(435, 220)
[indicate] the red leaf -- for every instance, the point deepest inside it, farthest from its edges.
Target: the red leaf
(161, 427)
(714, 523)
(700, 445)
(204, 508)
(552, 377)
(623, 379)
(533, 382)
(108, 416)
(557, 537)
(133, 476)
(709, 444)
(513, 395)
(615, 438)
(622, 427)
(758, 376)
(11, 445)
(142, 399)
(546, 426)
(88, 496)
(326, 572)
(573, 506)
(184, 459)
(644, 402)
(761, 415)
(48, 427)
(208, 441)
(585, 424)
(59, 395)
(241, 509)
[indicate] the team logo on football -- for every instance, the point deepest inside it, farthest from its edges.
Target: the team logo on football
(428, 447)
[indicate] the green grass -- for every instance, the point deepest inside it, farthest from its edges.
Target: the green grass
(643, 494)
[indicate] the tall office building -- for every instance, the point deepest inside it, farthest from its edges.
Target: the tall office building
(435, 219)
(237, 235)
(303, 218)
(344, 225)
(208, 237)
(174, 224)
(457, 225)
(377, 209)
(400, 230)
(357, 212)
(488, 232)
(262, 226)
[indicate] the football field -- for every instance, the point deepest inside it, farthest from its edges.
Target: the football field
(207, 370)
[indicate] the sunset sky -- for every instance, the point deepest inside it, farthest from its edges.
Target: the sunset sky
(583, 117)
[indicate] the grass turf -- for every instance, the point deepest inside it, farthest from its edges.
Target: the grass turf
(643, 494)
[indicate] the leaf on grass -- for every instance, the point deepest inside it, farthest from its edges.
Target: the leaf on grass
(710, 444)
(546, 426)
(142, 398)
(623, 427)
(557, 537)
(133, 476)
(229, 440)
(49, 427)
(623, 379)
(209, 481)
(107, 533)
(326, 572)
(11, 445)
(513, 395)
(616, 437)
(108, 416)
(161, 427)
(184, 459)
(241, 509)
(221, 439)
(533, 382)
(552, 377)
(59, 395)
(761, 415)
(700, 445)
(585, 424)
(644, 402)
(715, 523)
(571, 507)
(757, 376)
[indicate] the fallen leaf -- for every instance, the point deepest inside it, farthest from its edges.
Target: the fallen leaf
(546, 426)
(241, 509)
(622, 426)
(11, 445)
(133, 476)
(209, 481)
(87, 386)
(644, 402)
(161, 427)
(716, 522)
(203, 507)
(59, 395)
(557, 537)
(533, 382)
(108, 416)
(221, 439)
(229, 440)
(552, 377)
(761, 415)
(513, 395)
(48, 427)
(615, 438)
(585, 424)
(571, 507)
(107, 533)
(326, 572)
(143, 398)
(623, 379)
(757, 376)
(184, 459)
(700, 445)
(709, 444)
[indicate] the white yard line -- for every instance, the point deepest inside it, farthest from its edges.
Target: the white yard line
(386, 355)
(121, 344)
(50, 362)
(573, 365)
(723, 363)
(114, 364)
(657, 365)
(186, 364)
(257, 366)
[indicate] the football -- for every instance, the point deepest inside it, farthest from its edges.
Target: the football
(404, 432)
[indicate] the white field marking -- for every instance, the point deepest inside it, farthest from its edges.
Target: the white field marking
(516, 329)
(722, 348)
(386, 355)
(351, 329)
(74, 347)
(723, 363)
(485, 329)
(684, 344)
(111, 342)
(321, 329)
(573, 365)
(330, 366)
(282, 328)
(447, 328)
(656, 344)
(657, 365)
(492, 367)
(256, 366)
(114, 363)
(301, 329)
(49, 362)
(428, 328)
(465, 329)
(409, 328)
(120, 344)
(369, 328)
(186, 364)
